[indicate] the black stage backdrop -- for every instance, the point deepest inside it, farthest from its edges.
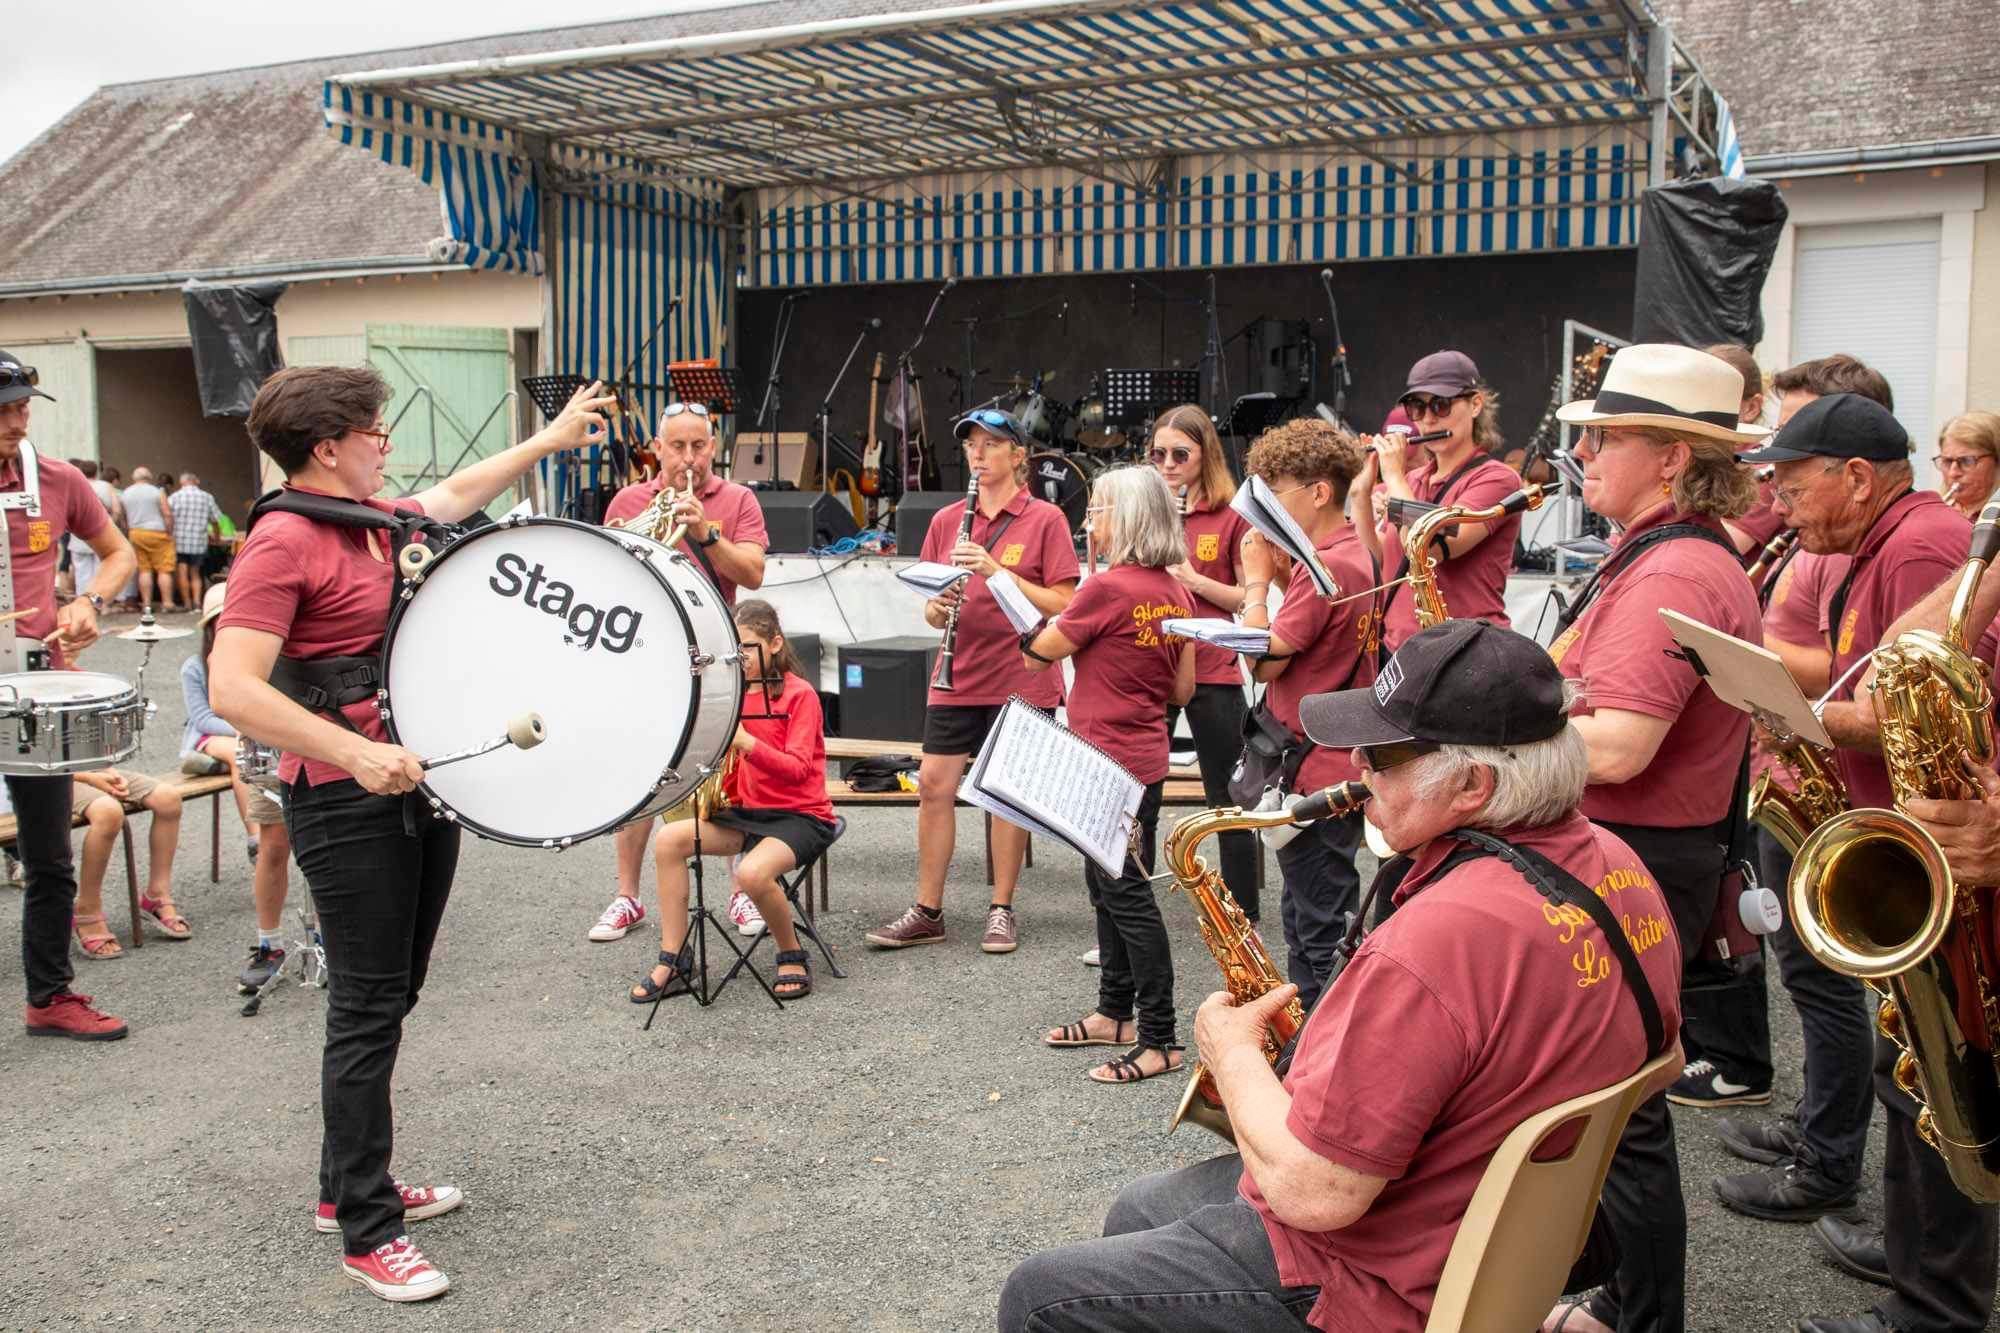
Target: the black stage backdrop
(1506, 312)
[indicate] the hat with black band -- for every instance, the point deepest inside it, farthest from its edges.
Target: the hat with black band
(1671, 387)
(1840, 425)
(1464, 682)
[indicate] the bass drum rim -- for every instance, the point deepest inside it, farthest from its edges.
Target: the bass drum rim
(406, 598)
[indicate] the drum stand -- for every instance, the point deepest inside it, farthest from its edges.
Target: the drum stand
(701, 920)
(308, 950)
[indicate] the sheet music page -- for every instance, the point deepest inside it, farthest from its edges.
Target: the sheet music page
(1262, 511)
(1044, 771)
(931, 578)
(1021, 613)
(1220, 633)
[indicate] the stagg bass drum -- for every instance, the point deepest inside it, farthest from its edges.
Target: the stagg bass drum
(620, 643)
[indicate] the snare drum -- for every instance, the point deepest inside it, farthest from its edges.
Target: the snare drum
(621, 644)
(54, 722)
(257, 765)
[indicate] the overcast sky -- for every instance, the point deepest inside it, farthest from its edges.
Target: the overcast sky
(54, 55)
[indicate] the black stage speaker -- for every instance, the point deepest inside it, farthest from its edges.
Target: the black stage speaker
(802, 520)
(883, 685)
(914, 515)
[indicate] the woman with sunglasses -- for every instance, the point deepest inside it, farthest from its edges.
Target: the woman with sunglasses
(1030, 540)
(1968, 458)
(1187, 452)
(1127, 674)
(1446, 394)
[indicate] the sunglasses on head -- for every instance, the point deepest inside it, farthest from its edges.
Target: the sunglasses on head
(1382, 758)
(1179, 456)
(993, 419)
(675, 409)
(1423, 404)
(13, 376)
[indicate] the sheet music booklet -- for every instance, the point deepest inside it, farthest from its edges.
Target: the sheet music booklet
(1748, 676)
(931, 578)
(1039, 775)
(1261, 509)
(1021, 613)
(1220, 633)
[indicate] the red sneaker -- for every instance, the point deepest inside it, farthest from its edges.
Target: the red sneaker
(68, 1014)
(419, 1202)
(396, 1271)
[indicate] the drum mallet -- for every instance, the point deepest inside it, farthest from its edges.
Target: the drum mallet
(526, 731)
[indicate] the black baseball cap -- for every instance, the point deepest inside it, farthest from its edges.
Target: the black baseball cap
(18, 381)
(1447, 374)
(993, 419)
(1464, 682)
(1840, 425)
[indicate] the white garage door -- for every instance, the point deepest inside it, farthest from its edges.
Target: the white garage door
(1871, 290)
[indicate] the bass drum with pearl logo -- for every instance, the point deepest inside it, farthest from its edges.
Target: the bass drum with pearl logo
(622, 646)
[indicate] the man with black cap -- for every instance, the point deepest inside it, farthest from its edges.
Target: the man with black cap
(35, 534)
(1844, 480)
(1478, 1004)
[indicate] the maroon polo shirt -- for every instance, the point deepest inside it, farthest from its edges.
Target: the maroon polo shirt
(1476, 1005)
(35, 543)
(1626, 659)
(1124, 665)
(1335, 650)
(1215, 544)
(732, 507)
(1474, 585)
(1036, 548)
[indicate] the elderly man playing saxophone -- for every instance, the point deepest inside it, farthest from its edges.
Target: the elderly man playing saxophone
(1476, 1005)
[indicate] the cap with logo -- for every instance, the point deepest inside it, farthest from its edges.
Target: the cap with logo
(1464, 682)
(1447, 374)
(18, 381)
(1840, 425)
(992, 419)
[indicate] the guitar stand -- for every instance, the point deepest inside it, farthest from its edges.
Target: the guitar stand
(701, 920)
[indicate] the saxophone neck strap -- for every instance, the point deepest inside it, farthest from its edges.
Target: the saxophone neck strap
(1630, 551)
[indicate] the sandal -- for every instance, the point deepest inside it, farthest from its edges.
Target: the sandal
(648, 990)
(101, 947)
(1125, 1068)
(165, 919)
(1078, 1034)
(799, 986)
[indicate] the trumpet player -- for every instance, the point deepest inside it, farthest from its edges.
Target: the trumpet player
(1028, 538)
(1337, 1210)
(726, 537)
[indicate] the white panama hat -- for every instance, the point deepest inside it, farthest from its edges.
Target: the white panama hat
(1673, 387)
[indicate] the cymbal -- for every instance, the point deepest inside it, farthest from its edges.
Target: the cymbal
(154, 633)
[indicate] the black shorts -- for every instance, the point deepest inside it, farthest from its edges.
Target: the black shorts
(806, 836)
(191, 559)
(958, 728)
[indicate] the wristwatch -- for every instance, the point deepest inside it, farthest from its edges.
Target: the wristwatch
(713, 538)
(96, 602)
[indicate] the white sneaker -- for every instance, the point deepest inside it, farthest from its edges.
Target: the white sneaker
(749, 921)
(623, 914)
(1089, 957)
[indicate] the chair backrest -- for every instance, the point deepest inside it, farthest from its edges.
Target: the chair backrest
(1527, 1221)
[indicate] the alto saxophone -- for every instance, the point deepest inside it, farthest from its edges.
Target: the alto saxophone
(1247, 969)
(1873, 898)
(1423, 534)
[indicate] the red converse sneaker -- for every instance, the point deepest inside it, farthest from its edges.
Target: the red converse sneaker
(68, 1014)
(396, 1271)
(419, 1202)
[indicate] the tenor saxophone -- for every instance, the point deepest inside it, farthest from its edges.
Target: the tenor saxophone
(1247, 969)
(1423, 534)
(1873, 898)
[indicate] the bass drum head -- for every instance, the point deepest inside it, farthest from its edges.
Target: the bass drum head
(557, 618)
(1064, 481)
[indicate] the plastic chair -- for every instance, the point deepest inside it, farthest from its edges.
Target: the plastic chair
(1510, 1258)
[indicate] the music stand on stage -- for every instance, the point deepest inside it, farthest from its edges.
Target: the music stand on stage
(552, 393)
(1135, 397)
(714, 387)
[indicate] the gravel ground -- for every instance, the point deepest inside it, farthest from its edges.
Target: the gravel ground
(877, 1156)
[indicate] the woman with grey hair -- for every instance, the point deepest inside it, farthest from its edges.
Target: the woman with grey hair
(1127, 672)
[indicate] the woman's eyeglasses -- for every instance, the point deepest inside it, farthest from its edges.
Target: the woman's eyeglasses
(1178, 456)
(381, 438)
(1946, 462)
(1419, 404)
(1382, 758)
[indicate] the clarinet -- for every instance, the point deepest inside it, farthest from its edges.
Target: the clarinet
(942, 680)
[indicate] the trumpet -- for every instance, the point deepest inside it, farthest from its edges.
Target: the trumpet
(942, 680)
(652, 521)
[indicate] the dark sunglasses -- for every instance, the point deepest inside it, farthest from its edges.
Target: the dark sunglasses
(993, 419)
(1382, 758)
(1419, 404)
(1179, 456)
(14, 376)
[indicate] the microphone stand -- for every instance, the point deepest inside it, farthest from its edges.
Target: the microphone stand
(970, 375)
(868, 329)
(771, 408)
(1345, 380)
(1216, 373)
(906, 380)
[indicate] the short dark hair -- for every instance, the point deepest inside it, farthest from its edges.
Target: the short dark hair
(1839, 373)
(87, 466)
(1306, 449)
(1739, 359)
(302, 405)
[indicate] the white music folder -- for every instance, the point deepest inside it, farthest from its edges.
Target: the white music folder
(1037, 774)
(1748, 676)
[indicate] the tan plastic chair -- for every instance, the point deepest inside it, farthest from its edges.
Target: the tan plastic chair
(1527, 1220)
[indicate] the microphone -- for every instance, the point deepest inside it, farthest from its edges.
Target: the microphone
(874, 325)
(951, 282)
(1326, 275)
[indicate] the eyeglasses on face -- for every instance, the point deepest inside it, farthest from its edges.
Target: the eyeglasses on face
(1162, 455)
(1382, 758)
(1789, 496)
(12, 377)
(1425, 405)
(381, 438)
(1957, 462)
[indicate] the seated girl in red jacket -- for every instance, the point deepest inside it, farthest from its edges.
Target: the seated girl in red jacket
(777, 813)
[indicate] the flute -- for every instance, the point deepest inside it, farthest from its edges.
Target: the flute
(942, 680)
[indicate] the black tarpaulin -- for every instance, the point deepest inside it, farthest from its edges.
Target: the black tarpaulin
(1705, 247)
(235, 334)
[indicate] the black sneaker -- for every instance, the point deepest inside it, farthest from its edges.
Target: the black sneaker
(1798, 1192)
(1702, 1084)
(1765, 1142)
(261, 967)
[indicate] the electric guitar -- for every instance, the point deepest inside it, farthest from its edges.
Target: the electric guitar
(871, 455)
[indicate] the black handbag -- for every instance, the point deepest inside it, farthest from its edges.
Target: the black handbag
(1271, 757)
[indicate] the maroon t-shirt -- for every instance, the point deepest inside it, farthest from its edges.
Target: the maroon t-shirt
(1917, 543)
(1474, 585)
(35, 542)
(1036, 548)
(1335, 650)
(1475, 1006)
(1215, 544)
(786, 769)
(325, 591)
(734, 508)
(1124, 665)
(1626, 659)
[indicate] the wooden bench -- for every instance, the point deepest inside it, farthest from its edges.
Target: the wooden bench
(190, 789)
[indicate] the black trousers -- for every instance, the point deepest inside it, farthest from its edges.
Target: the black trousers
(1321, 888)
(1215, 717)
(1642, 1197)
(380, 869)
(41, 814)
(1135, 961)
(1942, 1246)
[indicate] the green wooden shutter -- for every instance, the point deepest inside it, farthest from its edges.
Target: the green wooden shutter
(450, 386)
(67, 427)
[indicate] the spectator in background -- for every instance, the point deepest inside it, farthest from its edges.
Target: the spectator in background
(151, 515)
(103, 799)
(82, 559)
(197, 521)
